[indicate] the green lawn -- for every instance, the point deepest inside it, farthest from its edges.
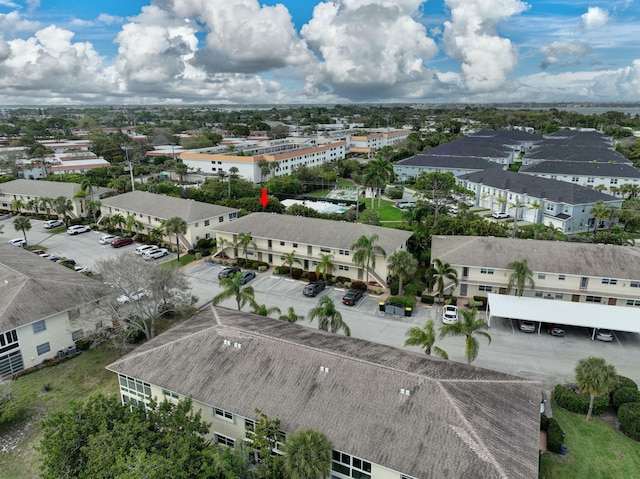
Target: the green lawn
(387, 210)
(596, 451)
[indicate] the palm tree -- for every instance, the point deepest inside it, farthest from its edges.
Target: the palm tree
(291, 316)
(469, 326)
(177, 226)
(402, 264)
(233, 288)
(425, 337)
(520, 276)
(264, 169)
(62, 206)
(376, 174)
(264, 310)
(221, 245)
(32, 205)
(329, 318)
(94, 207)
(439, 272)
(365, 251)
(118, 221)
(133, 224)
(156, 235)
(17, 205)
(324, 265)
(46, 204)
(290, 259)
(244, 241)
(87, 185)
(596, 377)
(307, 455)
(22, 223)
(599, 211)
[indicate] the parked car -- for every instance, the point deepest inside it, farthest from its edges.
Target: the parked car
(18, 242)
(352, 297)
(38, 251)
(500, 215)
(555, 331)
(77, 229)
(135, 296)
(450, 314)
(604, 335)
(5, 216)
(247, 276)
(53, 257)
(312, 289)
(226, 272)
(527, 326)
(155, 253)
(81, 269)
(53, 224)
(107, 239)
(144, 248)
(66, 262)
(118, 242)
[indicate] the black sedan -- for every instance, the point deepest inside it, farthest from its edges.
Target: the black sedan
(225, 273)
(352, 297)
(312, 289)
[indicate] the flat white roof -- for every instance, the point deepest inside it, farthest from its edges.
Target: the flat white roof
(588, 315)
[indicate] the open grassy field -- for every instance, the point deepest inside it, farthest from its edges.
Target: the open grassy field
(596, 451)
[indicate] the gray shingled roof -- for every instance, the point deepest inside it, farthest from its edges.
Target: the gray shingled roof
(537, 187)
(508, 135)
(437, 161)
(569, 152)
(40, 188)
(162, 206)
(616, 170)
(584, 259)
(33, 288)
(313, 231)
(459, 421)
(473, 146)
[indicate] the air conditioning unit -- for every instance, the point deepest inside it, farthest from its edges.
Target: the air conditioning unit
(71, 351)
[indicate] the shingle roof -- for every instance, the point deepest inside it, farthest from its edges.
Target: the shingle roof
(458, 421)
(508, 135)
(40, 188)
(33, 288)
(313, 231)
(162, 206)
(583, 154)
(585, 259)
(473, 146)
(616, 170)
(438, 161)
(537, 187)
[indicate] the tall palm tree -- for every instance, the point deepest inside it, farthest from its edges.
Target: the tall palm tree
(425, 337)
(118, 221)
(469, 327)
(156, 235)
(596, 377)
(87, 185)
(329, 318)
(17, 205)
(264, 310)
(32, 205)
(94, 207)
(599, 211)
(324, 265)
(521, 275)
(62, 206)
(46, 204)
(221, 245)
(402, 264)
(133, 224)
(291, 316)
(440, 272)
(233, 288)
(176, 226)
(290, 259)
(307, 455)
(22, 223)
(264, 169)
(365, 250)
(244, 241)
(377, 173)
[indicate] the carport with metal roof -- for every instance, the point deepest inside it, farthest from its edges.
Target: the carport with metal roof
(587, 315)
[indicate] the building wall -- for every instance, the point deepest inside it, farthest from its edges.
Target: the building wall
(590, 181)
(6, 199)
(57, 333)
(405, 172)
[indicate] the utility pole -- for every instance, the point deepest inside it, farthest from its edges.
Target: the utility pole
(126, 152)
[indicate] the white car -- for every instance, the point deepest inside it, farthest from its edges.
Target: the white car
(106, 239)
(527, 326)
(145, 248)
(450, 314)
(81, 269)
(53, 224)
(155, 253)
(18, 242)
(135, 296)
(499, 215)
(604, 335)
(77, 229)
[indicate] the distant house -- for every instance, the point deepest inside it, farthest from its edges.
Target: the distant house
(389, 413)
(151, 209)
(45, 307)
(430, 163)
(370, 143)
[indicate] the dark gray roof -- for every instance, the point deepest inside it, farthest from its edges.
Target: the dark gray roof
(33, 288)
(576, 153)
(616, 170)
(40, 188)
(537, 187)
(584, 259)
(313, 231)
(162, 206)
(473, 146)
(577, 137)
(438, 161)
(509, 135)
(458, 421)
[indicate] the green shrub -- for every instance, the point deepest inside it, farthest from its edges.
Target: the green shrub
(452, 299)
(262, 269)
(555, 434)
(284, 270)
(571, 399)
(394, 287)
(342, 279)
(361, 285)
(240, 261)
(625, 382)
(625, 395)
(408, 302)
(629, 419)
(134, 336)
(296, 273)
(481, 299)
(83, 344)
(427, 299)
(198, 255)
(394, 192)
(414, 288)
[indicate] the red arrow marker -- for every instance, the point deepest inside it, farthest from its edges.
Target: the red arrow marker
(264, 200)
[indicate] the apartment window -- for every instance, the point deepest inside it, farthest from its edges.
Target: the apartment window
(325, 250)
(206, 222)
(541, 275)
(295, 245)
(8, 338)
(593, 299)
(561, 277)
(43, 348)
(613, 181)
(584, 281)
(221, 413)
(633, 302)
(220, 219)
(486, 271)
(207, 235)
(249, 428)
(609, 281)
(559, 295)
(170, 394)
(224, 440)
(196, 224)
(486, 288)
(39, 326)
(350, 466)
(344, 252)
(281, 243)
(590, 179)
(538, 294)
(134, 386)
(342, 267)
(635, 284)
(575, 179)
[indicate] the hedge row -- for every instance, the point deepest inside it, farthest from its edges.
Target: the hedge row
(571, 399)
(629, 419)
(625, 395)
(555, 434)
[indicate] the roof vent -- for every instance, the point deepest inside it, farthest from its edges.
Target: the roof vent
(406, 392)
(226, 342)
(237, 345)
(324, 369)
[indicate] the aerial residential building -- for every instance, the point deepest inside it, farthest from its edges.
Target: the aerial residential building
(389, 413)
(370, 143)
(429, 163)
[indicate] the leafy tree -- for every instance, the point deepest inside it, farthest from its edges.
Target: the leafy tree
(233, 288)
(291, 316)
(436, 188)
(521, 275)
(329, 318)
(440, 272)
(595, 377)
(425, 337)
(94, 207)
(365, 251)
(370, 217)
(22, 223)
(176, 226)
(290, 259)
(600, 211)
(307, 455)
(264, 440)
(118, 221)
(17, 205)
(469, 327)
(244, 241)
(324, 265)
(402, 264)
(46, 204)
(62, 206)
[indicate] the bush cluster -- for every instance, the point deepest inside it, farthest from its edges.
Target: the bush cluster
(251, 264)
(427, 299)
(408, 302)
(555, 434)
(629, 419)
(482, 300)
(361, 285)
(571, 399)
(625, 395)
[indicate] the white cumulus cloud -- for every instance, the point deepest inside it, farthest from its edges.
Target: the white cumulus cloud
(594, 18)
(558, 52)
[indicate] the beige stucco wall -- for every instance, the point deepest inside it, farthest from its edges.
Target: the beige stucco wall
(57, 334)
(7, 199)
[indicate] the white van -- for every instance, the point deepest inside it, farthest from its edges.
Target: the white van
(405, 204)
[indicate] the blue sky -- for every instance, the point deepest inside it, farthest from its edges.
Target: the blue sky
(306, 51)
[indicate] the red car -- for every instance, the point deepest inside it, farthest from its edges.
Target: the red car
(116, 243)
